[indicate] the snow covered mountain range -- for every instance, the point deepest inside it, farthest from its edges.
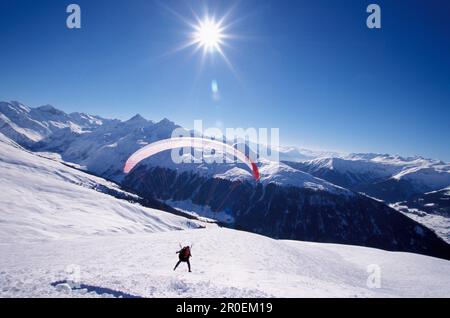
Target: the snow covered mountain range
(62, 236)
(313, 200)
(404, 183)
(390, 178)
(27, 126)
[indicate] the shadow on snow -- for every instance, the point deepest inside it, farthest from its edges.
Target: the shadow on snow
(98, 290)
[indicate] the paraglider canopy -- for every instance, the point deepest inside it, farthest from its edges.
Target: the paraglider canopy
(188, 142)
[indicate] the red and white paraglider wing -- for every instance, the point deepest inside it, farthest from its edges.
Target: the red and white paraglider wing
(188, 142)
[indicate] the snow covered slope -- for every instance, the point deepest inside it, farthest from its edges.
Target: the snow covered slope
(41, 198)
(61, 238)
(426, 177)
(438, 222)
(431, 209)
(284, 175)
(225, 263)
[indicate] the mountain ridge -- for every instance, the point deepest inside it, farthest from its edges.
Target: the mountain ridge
(287, 199)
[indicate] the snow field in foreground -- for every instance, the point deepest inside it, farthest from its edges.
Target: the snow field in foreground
(225, 263)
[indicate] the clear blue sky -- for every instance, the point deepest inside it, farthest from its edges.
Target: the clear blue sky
(311, 68)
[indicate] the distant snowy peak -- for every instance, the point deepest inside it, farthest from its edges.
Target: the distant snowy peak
(14, 106)
(284, 175)
(292, 154)
(49, 109)
(28, 126)
(86, 119)
(166, 122)
(103, 145)
(424, 174)
(353, 165)
(392, 159)
(105, 149)
(383, 165)
(426, 177)
(235, 174)
(296, 154)
(386, 177)
(137, 119)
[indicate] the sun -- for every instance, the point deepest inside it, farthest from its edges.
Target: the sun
(209, 35)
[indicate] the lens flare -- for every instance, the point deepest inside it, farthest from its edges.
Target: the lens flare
(214, 87)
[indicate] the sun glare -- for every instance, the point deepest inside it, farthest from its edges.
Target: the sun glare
(208, 35)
